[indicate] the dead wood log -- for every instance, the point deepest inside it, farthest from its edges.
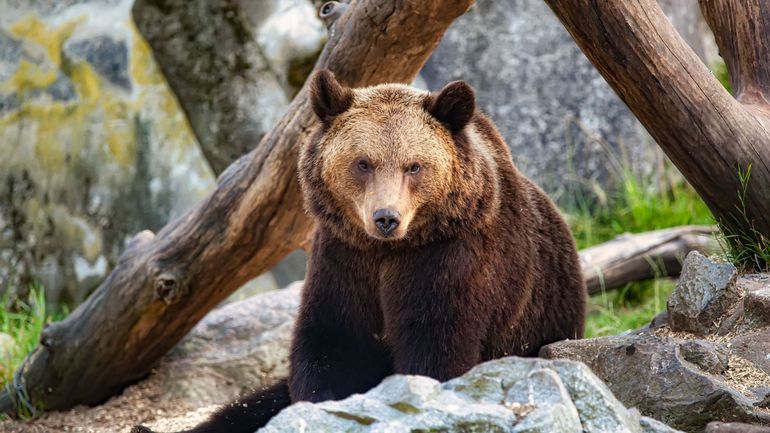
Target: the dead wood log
(708, 134)
(643, 256)
(163, 284)
(735, 427)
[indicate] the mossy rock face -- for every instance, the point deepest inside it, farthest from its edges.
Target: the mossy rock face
(95, 147)
(514, 395)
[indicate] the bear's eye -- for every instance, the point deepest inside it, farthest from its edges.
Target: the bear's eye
(414, 168)
(364, 166)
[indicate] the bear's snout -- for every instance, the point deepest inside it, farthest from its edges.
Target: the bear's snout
(386, 220)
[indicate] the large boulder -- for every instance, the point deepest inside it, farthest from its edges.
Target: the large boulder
(236, 348)
(94, 145)
(705, 360)
(565, 126)
(704, 293)
(505, 395)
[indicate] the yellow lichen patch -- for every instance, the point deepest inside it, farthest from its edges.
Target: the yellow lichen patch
(29, 76)
(33, 29)
(142, 64)
(122, 149)
(51, 143)
(55, 136)
(87, 83)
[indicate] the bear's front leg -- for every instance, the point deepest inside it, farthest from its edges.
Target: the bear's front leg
(310, 362)
(331, 362)
(335, 351)
(436, 309)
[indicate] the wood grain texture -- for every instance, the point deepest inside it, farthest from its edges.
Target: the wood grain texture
(707, 133)
(165, 283)
(643, 256)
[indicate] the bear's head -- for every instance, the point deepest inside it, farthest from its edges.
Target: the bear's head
(390, 163)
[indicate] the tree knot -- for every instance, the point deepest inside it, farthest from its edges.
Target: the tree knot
(168, 288)
(330, 12)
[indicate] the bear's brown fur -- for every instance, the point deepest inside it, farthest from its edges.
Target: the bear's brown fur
(471, 262)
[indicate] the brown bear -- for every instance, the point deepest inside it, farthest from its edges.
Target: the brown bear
(431, 253)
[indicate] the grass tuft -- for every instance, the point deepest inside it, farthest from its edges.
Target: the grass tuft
(640, 204)
(747, 248)
(21, 322)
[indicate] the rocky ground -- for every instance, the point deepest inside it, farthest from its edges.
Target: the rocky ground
(705, 359)
(236, 347)
(506, 395)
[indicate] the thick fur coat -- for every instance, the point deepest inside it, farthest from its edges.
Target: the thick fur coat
(432, 252)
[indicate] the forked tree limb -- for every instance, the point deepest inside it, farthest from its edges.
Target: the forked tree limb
(643, 256)
(744, 42)
(164, 284)
(708, 134)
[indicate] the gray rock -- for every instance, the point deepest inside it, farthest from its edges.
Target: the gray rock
(670, 379)
(94, 145)
(599, 410)
(107, 55)
(291, 39)
(10, 53)
(704, 294)
(566, 128)
(505, 395)
(650, 425)
(553, 407)
(291, 268)
(230, 95)
(234, 349)
(708, 357)
(707, 361)
(757, 306)
(754, 347)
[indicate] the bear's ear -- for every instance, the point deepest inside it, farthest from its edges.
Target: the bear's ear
(453, 106)
(328, 97)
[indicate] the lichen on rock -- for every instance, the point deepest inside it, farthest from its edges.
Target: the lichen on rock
(95, 146)
(505, 395)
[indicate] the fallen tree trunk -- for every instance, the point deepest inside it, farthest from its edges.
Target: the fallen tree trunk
(643, 256)
(163, 284)
(713, 138)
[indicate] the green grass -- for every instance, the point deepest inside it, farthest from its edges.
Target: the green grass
(720, 71)
(746, 247)
(640, 205)
(628, 308)
(23, 321)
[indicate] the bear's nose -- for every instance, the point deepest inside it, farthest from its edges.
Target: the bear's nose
(386, 220)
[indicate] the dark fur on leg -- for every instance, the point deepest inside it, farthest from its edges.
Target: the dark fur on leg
(244, 415)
